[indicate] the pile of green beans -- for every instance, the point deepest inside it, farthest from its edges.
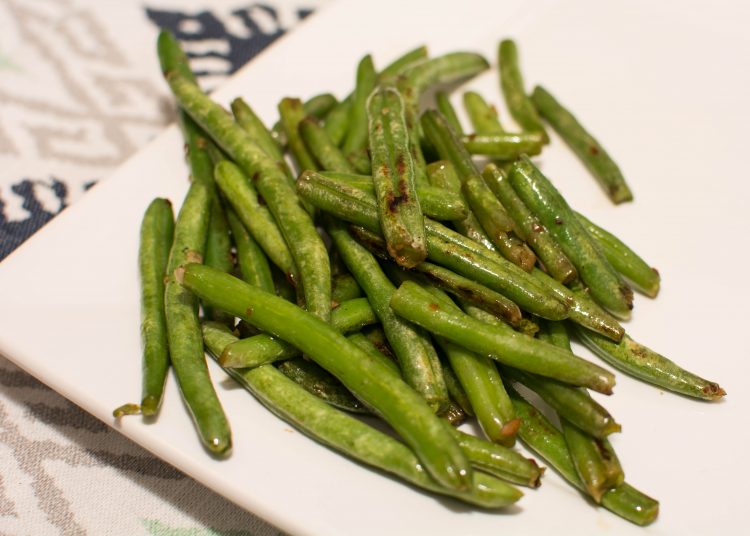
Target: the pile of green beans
(388, 274)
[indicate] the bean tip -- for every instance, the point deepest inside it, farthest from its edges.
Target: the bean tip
(126, 409)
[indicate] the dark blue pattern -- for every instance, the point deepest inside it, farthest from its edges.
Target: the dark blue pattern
(13, 233)
(241, 49)
(209, 26)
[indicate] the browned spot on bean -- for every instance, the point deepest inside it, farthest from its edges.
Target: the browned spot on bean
(393, 202)
(401, 169)
(434, 307)
(261, 200)
(249, 311)
(537, 228)
(558, 220)
(594, 150)
(511, 427)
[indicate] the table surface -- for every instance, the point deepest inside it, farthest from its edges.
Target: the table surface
(80, 92)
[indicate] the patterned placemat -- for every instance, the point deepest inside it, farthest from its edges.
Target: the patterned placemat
(81, 91)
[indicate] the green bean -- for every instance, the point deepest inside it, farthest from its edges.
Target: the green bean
(262, 349)
(368, 380)
(445, 175)
(344, 287)
(483, 117)
(251, 260)
(398, 207)
(218, 242)
(527, 226)
(321, 147)
(595, 461)
(442, 174)
(348, 435)
(437, 203)
(496, 276)
(635, 270)
(307, 247)
(483, 385)
(292, 113)
(447, 280)
(555, 214)
(397, 275)
(649, 366)
(183, 327)
(360, 161)
(319, 105)
(444, 106)
(543, 438)
(127, 409)
(180, 305)
(500, 461)
(250, 208)
(584, 145)
(369, 347)
(445, 247)
(511, 81)
(480, 195)
(498, 342)
(449, 147)
(197, 153)
(313, 379)
(356, 135)
(447, 69)
(406, 61)
(253, 125)
(336, 122)
(172, 58)
(456, 390)
(487, 317)
(157, 229)
(441, 205)
(582, 309)
(415, 361)
(631, 504)
(573, 404)
(484, 388)
(218, 250)
(554, 333)
(496, 223)
(505, 146)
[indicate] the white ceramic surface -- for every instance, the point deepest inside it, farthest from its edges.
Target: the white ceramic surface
(663, 85)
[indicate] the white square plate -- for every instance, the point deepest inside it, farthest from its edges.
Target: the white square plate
(664, 85)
